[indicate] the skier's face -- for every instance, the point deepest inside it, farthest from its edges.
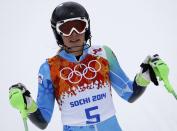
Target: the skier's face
(75, 43)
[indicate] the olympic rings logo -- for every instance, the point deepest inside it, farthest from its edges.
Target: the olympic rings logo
(71, 73)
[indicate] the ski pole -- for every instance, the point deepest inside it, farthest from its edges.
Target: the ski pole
(25, 124)
(169, 87)
(24, 117)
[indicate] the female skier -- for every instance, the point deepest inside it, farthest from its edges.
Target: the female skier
(80, 77)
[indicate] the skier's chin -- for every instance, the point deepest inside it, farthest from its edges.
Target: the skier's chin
(76, 44)
(76, 49)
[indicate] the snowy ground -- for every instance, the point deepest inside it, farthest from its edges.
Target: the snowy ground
(132, 28)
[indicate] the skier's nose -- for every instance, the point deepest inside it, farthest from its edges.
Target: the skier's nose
(74, 33)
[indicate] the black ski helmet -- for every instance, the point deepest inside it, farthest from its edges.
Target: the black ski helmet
(65, 11)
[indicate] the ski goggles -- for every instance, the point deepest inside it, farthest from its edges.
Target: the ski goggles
(66, 27)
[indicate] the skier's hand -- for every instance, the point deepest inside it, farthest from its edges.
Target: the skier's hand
(20, 99)
(160, 67)
(146, 73)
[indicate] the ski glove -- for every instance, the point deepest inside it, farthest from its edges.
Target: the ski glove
(21, 99)
(146, 73)
(161, 70)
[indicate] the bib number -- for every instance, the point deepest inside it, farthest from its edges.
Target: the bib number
(90, 117)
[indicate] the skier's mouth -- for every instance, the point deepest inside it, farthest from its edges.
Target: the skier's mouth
(75, 41)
